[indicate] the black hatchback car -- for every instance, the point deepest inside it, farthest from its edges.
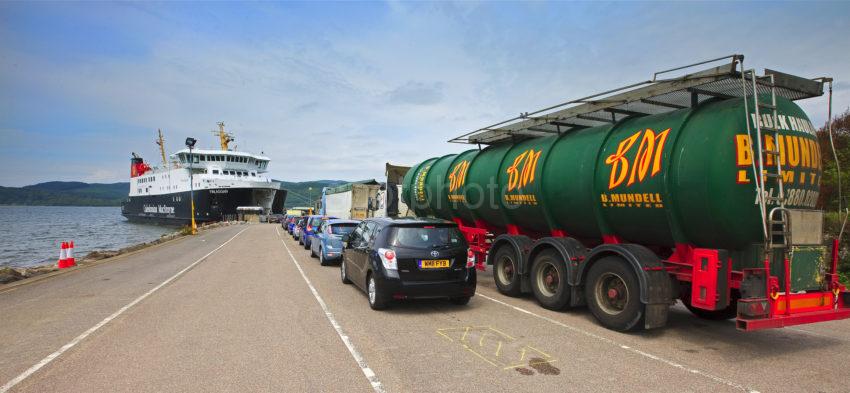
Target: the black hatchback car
(401, 258)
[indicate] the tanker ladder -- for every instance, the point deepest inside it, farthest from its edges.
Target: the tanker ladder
(777, 305)
(776, 231)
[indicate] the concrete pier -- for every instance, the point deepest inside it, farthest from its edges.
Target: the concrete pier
(244, 308)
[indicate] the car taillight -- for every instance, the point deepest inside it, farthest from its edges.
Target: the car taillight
(388, 258)
(470, 258)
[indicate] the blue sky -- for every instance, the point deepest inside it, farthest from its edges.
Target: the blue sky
(335, 90)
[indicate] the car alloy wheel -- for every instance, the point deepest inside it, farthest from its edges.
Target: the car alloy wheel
(372, 294)
(343, 272)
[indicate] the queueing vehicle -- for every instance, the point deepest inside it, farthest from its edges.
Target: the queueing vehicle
(284, 222)
(308, 231)
(296, 229)
(702, 188)
(408, 258)
(289, 224)
(327, 242)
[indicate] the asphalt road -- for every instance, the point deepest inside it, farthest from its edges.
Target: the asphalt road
(244, 308)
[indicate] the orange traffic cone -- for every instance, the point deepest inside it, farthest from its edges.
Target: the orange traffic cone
(63, 256)
(69, 256)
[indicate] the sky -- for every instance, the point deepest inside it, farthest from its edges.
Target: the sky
(334, 90)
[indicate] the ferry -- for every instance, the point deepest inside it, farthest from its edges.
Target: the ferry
(221, 180)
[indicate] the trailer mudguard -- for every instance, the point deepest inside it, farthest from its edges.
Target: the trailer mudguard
(656, 287)
(521, 245)
(573, 252)
(570, 249)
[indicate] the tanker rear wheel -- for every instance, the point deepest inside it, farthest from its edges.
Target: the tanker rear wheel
(506, 271)
(549, 280)
(613, 294)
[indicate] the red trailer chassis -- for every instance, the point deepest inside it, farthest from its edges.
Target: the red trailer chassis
(701, 269)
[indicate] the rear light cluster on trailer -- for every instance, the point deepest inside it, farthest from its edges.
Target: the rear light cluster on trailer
(388, 258)
(753, 308)
(470, 258)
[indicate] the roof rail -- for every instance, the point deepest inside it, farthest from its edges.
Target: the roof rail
(651, 97)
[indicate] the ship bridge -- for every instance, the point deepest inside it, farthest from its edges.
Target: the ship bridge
(223, 161)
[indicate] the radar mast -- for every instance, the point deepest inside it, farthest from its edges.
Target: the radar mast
(224, 137)
(161, 142)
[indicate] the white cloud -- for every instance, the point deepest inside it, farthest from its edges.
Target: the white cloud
(341, 104)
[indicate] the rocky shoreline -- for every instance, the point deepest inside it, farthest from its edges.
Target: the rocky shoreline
(12, 274)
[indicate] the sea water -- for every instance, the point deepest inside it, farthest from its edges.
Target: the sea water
(31, 235)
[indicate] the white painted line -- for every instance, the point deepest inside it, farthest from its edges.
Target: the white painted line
(626, 347)
(370, 375)
(106, 320)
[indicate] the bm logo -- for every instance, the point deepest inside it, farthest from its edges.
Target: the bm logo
(521, 172)
(635, 167)
(458, 175)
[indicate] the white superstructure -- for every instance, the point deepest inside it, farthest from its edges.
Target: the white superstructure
(211, 169)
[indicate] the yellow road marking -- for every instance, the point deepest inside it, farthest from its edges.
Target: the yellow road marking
(507, 347)
(481, 340)
(501, 332)
(544, 353)
(480, 356)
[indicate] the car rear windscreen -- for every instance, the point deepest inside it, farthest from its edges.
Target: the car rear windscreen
(425, 237)
(342, 229)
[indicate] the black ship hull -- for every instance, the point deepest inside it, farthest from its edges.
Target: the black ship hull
(210, 205)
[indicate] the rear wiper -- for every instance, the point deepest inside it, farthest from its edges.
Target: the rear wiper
(441, 246)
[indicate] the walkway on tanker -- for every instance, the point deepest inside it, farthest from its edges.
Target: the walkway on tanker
(243, 308)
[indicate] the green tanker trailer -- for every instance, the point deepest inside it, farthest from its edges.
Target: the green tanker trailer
(631, 200)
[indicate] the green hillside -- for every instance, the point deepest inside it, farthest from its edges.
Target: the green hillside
(59, 193)
(300, 193)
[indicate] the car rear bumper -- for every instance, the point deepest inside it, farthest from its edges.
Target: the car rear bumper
(332, 255)
(394, 288)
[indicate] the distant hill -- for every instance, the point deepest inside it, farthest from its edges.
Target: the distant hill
(300, 193)
(72, 193)
(61, 193)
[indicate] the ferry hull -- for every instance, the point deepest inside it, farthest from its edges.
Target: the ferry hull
(210, 205)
